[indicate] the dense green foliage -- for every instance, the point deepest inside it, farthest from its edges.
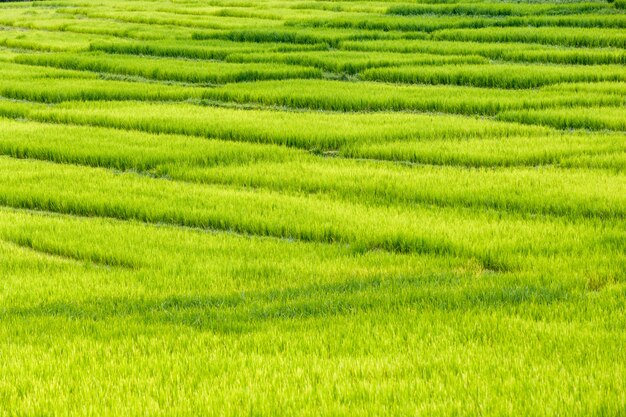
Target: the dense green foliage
(312, 208)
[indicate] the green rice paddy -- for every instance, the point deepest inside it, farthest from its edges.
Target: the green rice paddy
(312, 208)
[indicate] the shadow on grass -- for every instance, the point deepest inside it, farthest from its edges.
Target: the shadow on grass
(107, 261)
(249, 311)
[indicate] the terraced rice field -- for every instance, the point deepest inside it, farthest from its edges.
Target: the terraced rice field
(312, 208)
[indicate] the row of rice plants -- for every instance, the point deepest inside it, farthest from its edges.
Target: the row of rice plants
(565, 150)
(405, 27)
(51, 85)
(169, 69)
(495, 238)
(210, 50)
(352, 62)
(44, 91)
(368, 96)
(618, 88)
(497, 9)
(191, 7)
(432, 24)
(515, 52)
(311, 36)
(593, 118)
(254, 13)
(98, 27)
(127, 150)
(47, 41)
(600, 21)
(338, 7)
(496, 75)
(577, 37)
(308, 130)
(267, 10)
(575, 56)
(518, 190)
(14, 71)
(166, 19)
